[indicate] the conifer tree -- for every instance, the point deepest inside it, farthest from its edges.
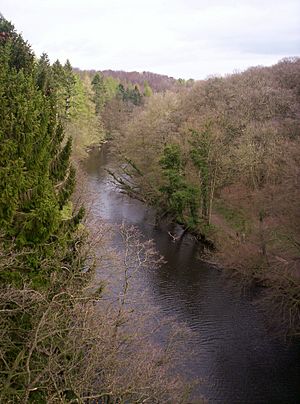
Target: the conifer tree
(34, 167)
(63, 82)
(38, 245)
(69, 83)
(135, 95)
(44, 78)
(100, 92)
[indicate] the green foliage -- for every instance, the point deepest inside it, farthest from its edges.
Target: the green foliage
(181, 199)
(43, 74)
(61, 162)
(42, 221)
(100, 92)
(171, 159)
(63, 82)
(38, 241)
(80, 108)
(32, 158)
(135, 95)
(12, 180)
(69, 82)
(66, 191)
(84, 126)
(67, 211)
(20, 56)
(185, 83)
(130, 94)
(111, 85)
(147, 90)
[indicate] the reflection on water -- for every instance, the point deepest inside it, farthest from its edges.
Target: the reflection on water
(234, 353)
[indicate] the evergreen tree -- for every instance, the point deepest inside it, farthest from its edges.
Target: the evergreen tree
(69, 83)
(34, 167)
(135, 96)
(38, 244)
(130, 95)
(121, 93)
(44, 75)
(64, 81)
(20, 55)
(100, 92)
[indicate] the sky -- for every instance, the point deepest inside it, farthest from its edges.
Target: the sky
(179, 38)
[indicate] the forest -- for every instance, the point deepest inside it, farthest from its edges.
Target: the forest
(219, 157)
(222, 159)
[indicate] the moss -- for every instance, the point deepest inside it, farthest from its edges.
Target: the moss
(67, 211)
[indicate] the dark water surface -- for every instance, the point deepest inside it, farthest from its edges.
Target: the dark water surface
(235, 353)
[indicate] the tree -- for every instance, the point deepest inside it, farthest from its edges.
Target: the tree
(121, 93)
(147, 89)
(44, 75)
(63, 82)
(111, 85)
(34, 166)
(100, 92)
(69, 83)
(206, 163)
(38, 244)
(135, 96)
(179, 195)
(20, 55)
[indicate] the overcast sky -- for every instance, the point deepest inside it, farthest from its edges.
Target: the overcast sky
(180, 38)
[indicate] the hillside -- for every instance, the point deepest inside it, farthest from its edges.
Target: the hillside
(222, 159)
(157, 82)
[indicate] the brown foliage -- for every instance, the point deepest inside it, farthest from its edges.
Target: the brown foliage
(255, 146)
(72, 342)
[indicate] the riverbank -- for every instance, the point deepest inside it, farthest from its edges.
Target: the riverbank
(273, 268)
(234, 352)
(239, 243)
(243, 258)
(222, 158)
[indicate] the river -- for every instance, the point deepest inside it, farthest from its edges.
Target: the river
(235, 353)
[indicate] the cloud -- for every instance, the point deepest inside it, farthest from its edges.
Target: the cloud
(183, 38)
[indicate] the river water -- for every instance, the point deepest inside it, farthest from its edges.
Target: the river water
(235, 353)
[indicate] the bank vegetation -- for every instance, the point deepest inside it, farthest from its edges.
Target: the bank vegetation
(222, 158)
